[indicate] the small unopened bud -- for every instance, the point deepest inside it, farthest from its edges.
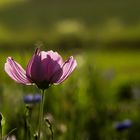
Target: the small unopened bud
(49, 117)
(11, 137)
(36, 136)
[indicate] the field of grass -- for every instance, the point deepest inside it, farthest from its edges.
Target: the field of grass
(85, 106)
(123, 63)
(46, 12)
(113, 23)
(104, 37)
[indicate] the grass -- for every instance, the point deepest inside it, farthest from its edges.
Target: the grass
(109, 22)
(101, 91)
(123, 64)
(91, 92)
(44, 12)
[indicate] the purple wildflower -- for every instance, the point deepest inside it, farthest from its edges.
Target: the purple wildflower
(43, 69)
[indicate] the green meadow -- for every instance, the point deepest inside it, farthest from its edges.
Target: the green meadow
(100, 92)
(104, 38)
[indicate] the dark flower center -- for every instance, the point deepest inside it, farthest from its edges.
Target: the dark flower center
(43, 85)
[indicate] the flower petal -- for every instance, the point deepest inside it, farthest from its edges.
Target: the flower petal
(51, 63)
(56, 76)
(16, 72)
(67, 68)
(54, 55)
(34, 68)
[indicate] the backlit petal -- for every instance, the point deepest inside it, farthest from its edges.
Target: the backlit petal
(16, 72)
(34, 68)
(51, 63)
(67, 68)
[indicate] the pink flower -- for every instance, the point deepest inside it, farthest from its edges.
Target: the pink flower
(43, 69)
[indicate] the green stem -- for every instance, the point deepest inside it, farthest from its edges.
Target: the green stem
(28, 121)
(50, 127)
(41, 113)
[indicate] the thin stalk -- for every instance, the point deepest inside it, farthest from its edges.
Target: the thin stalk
(10, 133)
(50, 127)
(28, 121)
(41, 113)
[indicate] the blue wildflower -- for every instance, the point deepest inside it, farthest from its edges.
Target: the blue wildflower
(120, 126)
(32, 98)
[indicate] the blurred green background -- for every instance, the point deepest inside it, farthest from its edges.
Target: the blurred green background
(104, 37)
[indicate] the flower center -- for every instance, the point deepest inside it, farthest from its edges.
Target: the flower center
(43, 85)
